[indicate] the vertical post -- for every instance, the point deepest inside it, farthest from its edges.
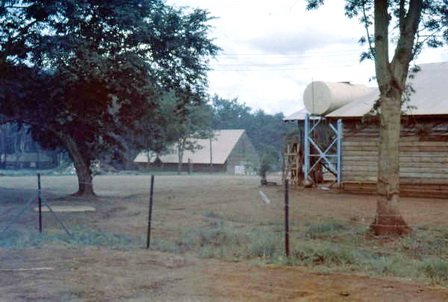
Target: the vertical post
(339, 150)
(39, 200)
(306, 144)
(286, 218)
(151, 192)
(211, 155)
(190, 166)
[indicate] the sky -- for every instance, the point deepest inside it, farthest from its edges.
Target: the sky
(271, 50)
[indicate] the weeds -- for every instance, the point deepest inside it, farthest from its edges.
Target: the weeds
(328, 246)
(423, 243)
(329, 228)
(435, 269)
(263, 244)
(211, 214)
(81, 237)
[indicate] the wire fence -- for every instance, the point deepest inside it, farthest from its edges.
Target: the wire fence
(352, 214)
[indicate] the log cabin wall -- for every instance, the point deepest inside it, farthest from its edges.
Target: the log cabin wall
(423, 157)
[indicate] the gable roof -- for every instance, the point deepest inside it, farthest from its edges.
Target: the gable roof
(430, 96)
(222, 144)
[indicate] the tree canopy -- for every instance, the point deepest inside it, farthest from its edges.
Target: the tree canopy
(84, 73)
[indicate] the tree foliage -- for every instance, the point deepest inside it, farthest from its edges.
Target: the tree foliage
(183, 130)
(432, 24)
(84, 73)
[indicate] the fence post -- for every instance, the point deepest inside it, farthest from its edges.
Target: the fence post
(39, 201)
(286, 217)
(151, 193)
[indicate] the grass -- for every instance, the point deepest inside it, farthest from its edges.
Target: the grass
(435, 269)
(426, 242)
(81, 237)
(329, 246)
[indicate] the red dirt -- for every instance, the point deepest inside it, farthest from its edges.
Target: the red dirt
(92, 274)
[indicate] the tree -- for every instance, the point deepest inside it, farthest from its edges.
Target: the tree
(229, 114)
(182, 130)
(400, 24)
(195, 125)
(85, 73)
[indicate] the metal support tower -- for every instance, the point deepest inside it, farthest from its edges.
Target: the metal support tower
(329, 156)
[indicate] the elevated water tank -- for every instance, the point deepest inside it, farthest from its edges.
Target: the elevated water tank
(323, 97)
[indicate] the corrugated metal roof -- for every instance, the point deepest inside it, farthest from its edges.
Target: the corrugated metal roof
(430, 97)
(296, 116)
(299, 116)
(222, 145)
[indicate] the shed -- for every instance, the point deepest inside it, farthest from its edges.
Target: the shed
(423, 140)
(228, 151)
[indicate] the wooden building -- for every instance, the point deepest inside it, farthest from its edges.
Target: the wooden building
(228, 151)
(18, 150)
(423, 140)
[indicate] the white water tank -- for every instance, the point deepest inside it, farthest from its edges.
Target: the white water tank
(324, 97)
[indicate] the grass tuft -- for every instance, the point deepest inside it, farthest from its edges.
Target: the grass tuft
(325, 229)
(81, 237)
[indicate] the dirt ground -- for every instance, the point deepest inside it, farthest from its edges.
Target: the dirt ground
(92, 273)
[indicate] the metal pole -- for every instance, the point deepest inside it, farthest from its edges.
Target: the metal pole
(151, 193)
(39, 200)
(339, 150)
(286, 217)
(306, 144)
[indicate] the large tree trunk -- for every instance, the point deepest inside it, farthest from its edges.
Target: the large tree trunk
(82, 166)
(388, 220)
(85, 179)
(391, 78)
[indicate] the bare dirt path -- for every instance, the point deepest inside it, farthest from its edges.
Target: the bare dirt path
(93, 274)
